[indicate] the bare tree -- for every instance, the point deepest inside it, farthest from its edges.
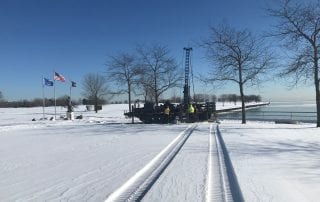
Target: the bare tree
(160, 70)
(1, 96)
(298, 28)
(237, 56)
(124, 71)
(95, 89)
(2, 100)
(145, 89)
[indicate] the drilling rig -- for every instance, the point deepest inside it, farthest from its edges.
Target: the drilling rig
(155, 114)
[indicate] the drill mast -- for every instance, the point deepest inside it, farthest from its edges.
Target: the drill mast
(186, 88)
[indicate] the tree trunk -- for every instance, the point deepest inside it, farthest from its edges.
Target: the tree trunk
(316, 82)
(129, 97)
(156, 92)
(243, 106)
(96, 104)
(318, 104)
(156, 98)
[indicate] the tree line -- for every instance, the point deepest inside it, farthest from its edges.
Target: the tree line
(233, 98)
(37, 102)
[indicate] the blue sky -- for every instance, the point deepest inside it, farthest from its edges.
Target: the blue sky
(75, 37)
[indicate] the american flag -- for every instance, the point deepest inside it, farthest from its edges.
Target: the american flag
(59, 77)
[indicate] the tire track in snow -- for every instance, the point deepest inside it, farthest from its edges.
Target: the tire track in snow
(185, 178)
(214, 179)
(138, 185)
(222, 182)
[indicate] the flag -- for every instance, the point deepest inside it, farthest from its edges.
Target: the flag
(73, 84)
(59, 77)
(47, 82)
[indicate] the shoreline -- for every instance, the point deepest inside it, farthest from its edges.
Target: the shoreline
(239, 108)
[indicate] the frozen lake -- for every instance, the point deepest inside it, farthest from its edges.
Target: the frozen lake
(297, 111)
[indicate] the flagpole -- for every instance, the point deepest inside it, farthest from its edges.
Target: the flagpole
(43, 99)
(54, 95)
(70, 93)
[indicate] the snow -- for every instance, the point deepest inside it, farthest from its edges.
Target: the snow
(275, 162)
(135, 187)
(185, 177)
(89, 159)
(75, 160)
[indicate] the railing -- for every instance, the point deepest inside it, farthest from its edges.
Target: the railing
(272, 116)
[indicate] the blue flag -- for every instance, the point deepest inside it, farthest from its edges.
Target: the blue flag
(47, 82)
(73, 84)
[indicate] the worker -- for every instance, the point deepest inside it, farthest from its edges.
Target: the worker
(167, 113)
(191, 112)
(191, 109)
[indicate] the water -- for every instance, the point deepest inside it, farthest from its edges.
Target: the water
(297, 111)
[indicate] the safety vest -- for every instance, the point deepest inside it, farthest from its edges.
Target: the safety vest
(191, 109)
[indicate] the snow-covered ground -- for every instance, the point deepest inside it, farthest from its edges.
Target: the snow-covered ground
(88, 159)
(275, 162)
